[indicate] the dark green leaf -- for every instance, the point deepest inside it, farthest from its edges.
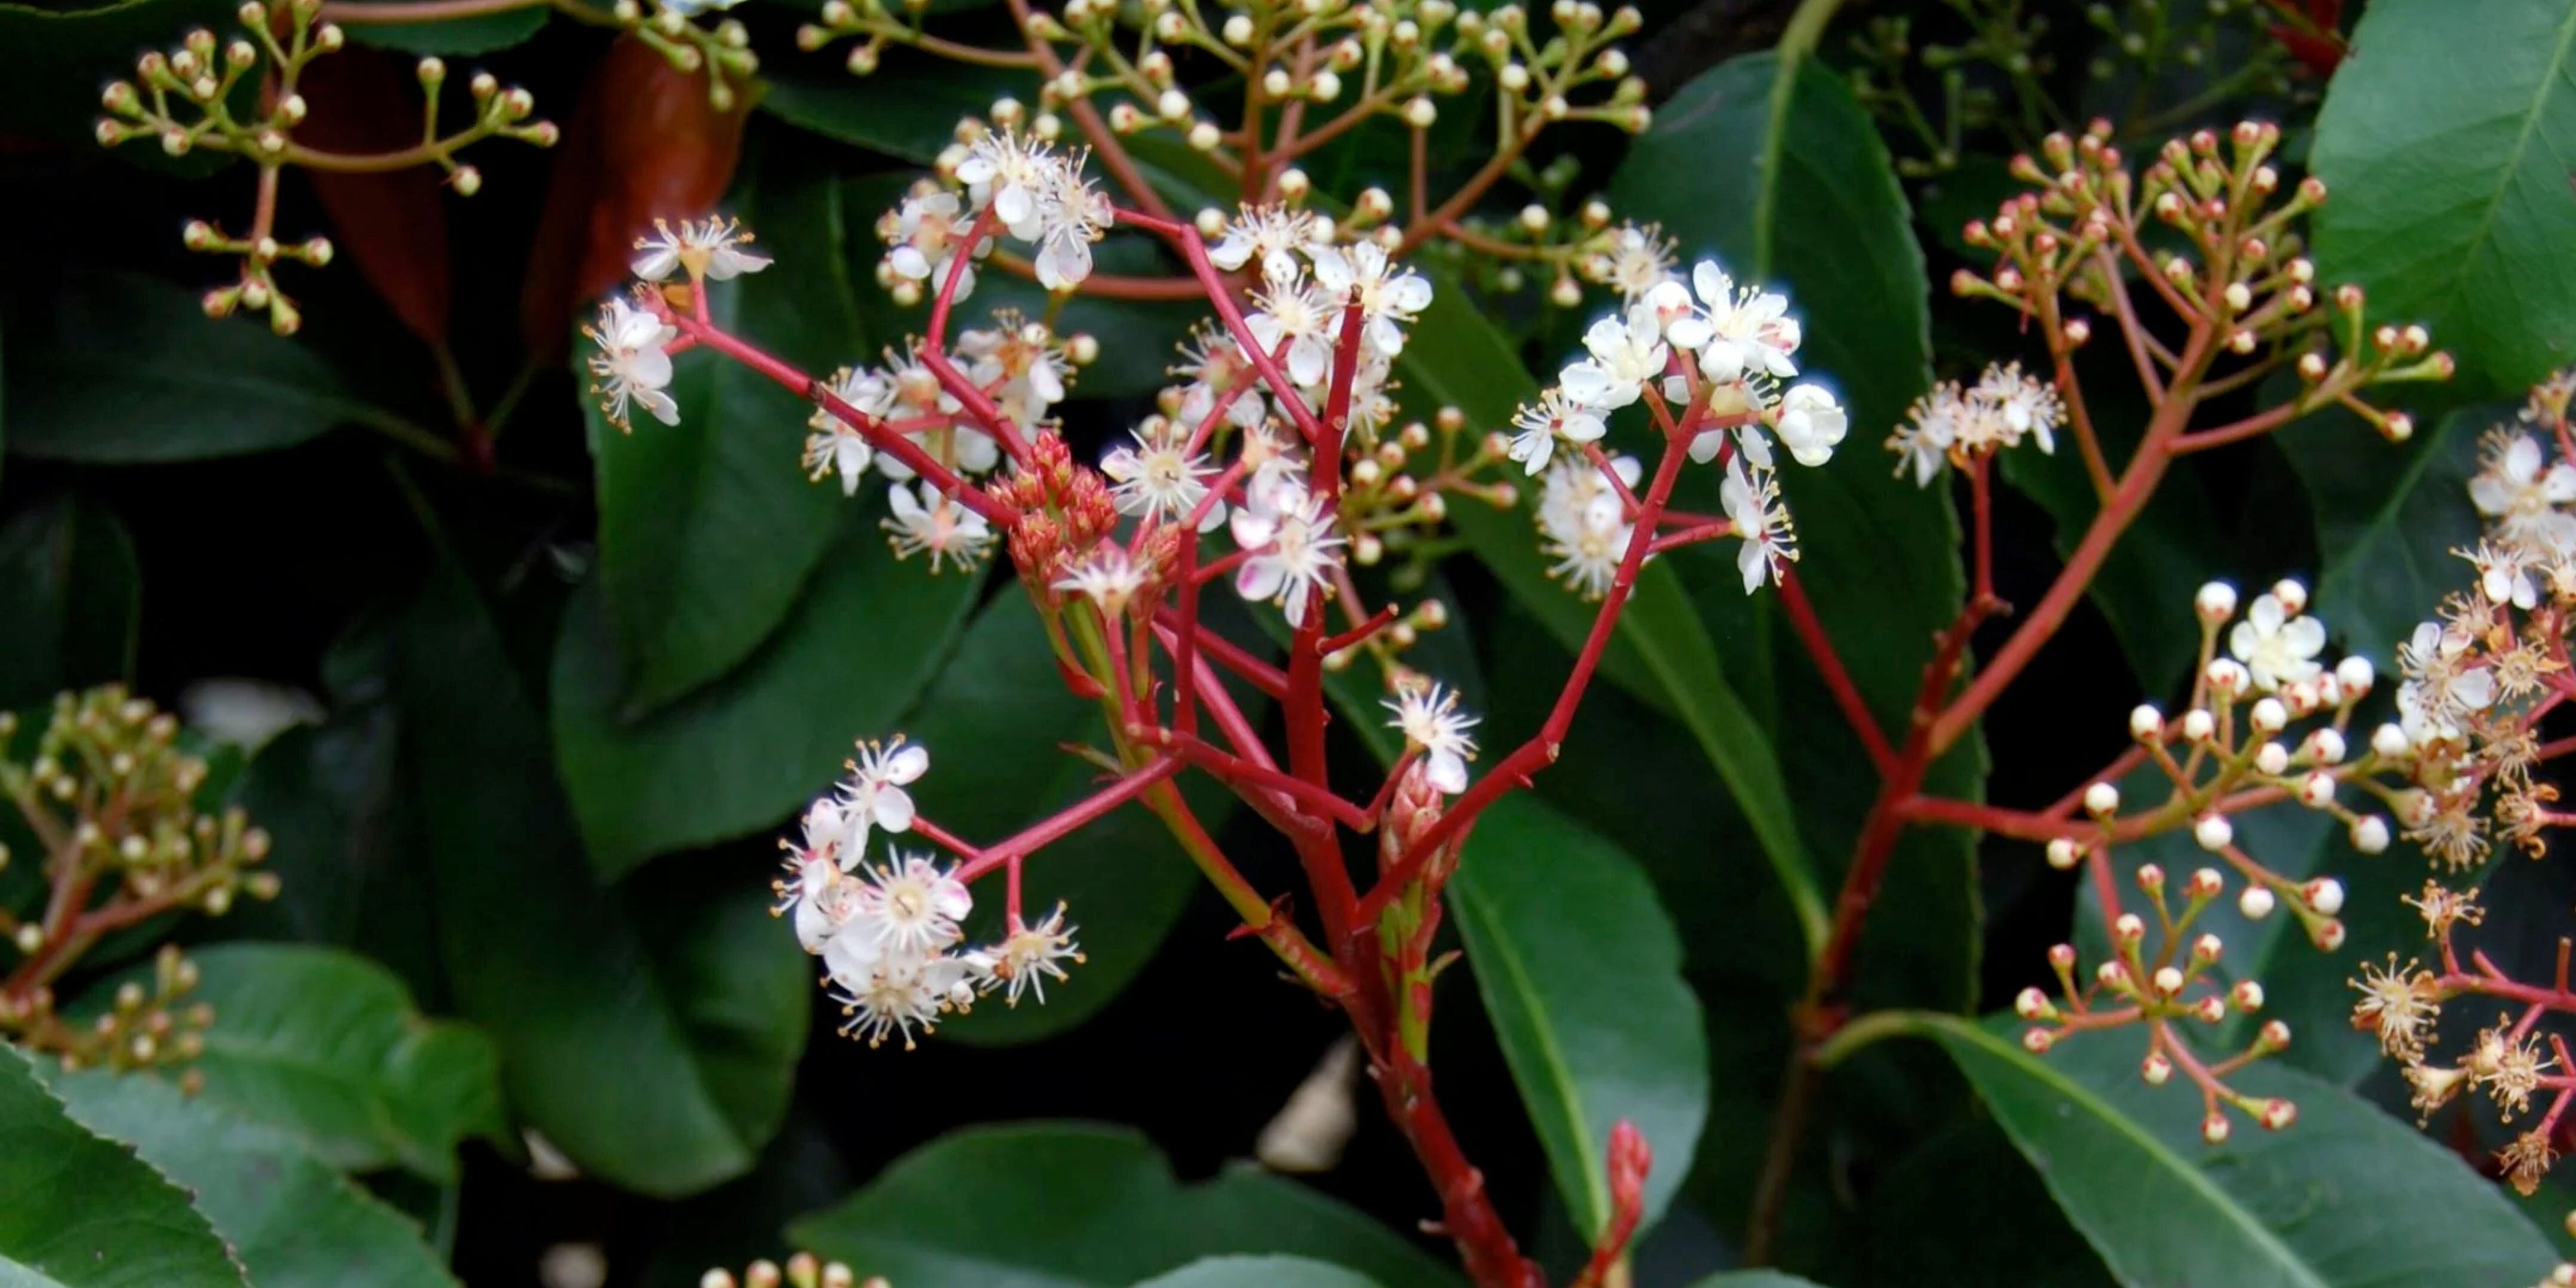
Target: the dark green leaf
(71, 592)
(2345, 1196)
(2444, 143)
(327, 1044)
(480, 34)
(293, 1221)
(996, 724)
(744, 753)
(658, 1061)
(708, 529)
(1062, 1205)
(1260, 1272)
(908, 108)
(1966, 1208)
(2388, 519)
(84, 1212)
(1581, 976)
(123, 370)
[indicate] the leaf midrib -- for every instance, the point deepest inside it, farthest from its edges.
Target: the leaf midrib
(1499, 948)
(2511, 172)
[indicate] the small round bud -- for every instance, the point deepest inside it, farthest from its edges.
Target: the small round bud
(2151, 877)
(2312, 367)
(2269, 716)
(1174, 105)
(2255, 903)
(2129, 928)
(2168, 980)
(1237, 31)
(2155, 1069)
(2276, 1114)
(467, 180)
(2325, 894)
(1294, 185)
(2062, 956)
(1204, 136)
(1534, 217)
(2370, 834)
(2398, 427)
(2101, 799)
(1565, 293)
(1325, 87)
(2037, 1041)
(2228, 676)
(2205, 883)
(2064, 853)
(2146, 724)
(1210, 222)
(2112, 975)
(2326, 747)
(2355, 675)
(2389, 741)
(2327, 935)
(2214, 1128)
(1420, 112)
(2032, 1004)
(2215, 603)
(2238, 296)
(2207, 949)
(2213, 832)
(2272, 758)
(2198, 725)
(2317, 790)
(2247, 996)
(431, 70)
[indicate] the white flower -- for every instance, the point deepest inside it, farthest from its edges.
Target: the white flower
(2504, 575)
(1019, 364)
(632, 365)
(1303, 317)
(710, 249)
(1274, 233)
(1583, 522)
(1071, 216)
(1388, 296)
(874, 796)
(1158, 477)
(2025, 405)
(1930, 430)
(889, 994)
(1216, 366)
(922, 236)
(2513, 488)
(1810, 423)
(1433, 725)
(2277, 647)
(1625, 355)
(1108, 578)
(1752, 501)
(835, 446)
(1737, 333)
(1030, 955)
(1012, 175)
(935, 523)
(1553, 417)
(913, 905)
(1631, 260)
(1293, 548)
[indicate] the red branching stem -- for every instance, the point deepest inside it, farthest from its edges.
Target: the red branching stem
(1829, 664)
(2254, 426)
(945, 839)
(1982, 524)
(1492, 1258)
(1073, 816)
(1259, 674)
(1357, 635)
(1237, 772)
(1194, 249)
(2078, 416)
(1675, 539)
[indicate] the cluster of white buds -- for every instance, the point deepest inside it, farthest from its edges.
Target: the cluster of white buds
(1958, 426)
(670, 28)
(1720, 351)
(804, 1270)
(891, 936)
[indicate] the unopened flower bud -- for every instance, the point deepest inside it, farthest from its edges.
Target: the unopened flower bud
(2033, 1004)
(2213, 832)
(2207, 949)
(2146, 724)
(1294, 185)
(467, 181)
(2064, 853)
(2389, 741)
(2327, 935)
(2205, 883)
(2216, 602)
(2255, 903)
(2325, 894)
(2228, 676)
(2317, 790)
(2112, 975)
(2198, 725)
(2155, 1069)
(2129, 928)
(2213, 1129)
(2272, 758)
(2247, 996)
(2037, 1041)
(1420, 112)
(2101, 799)
(2370, 834)
(2168, 980)
(2151, 877)
(2275, 1113)
(2269, 715)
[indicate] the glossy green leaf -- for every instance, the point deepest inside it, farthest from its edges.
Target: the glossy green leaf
(1067, 1205)
(650, 1032)
(709, 529)
(121, 370)
(71, 591)
(2315, 1206)
(292, 1220)
(1661, 651)
(480, 34)
(2388, 518)
(328, 1045)
(743, 754)
(1260, 1272)
(1581, 976)
(1966, 1208)
(83, 1211)
(2443, 144)
(908, 108)
(996, 724)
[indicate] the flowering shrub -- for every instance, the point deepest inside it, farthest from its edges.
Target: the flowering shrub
(1388, 481)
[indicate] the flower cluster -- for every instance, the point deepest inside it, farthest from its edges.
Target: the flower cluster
(110, 797)
(804, 1270)
(1959, 426)
(1716, 350)
(890, 935)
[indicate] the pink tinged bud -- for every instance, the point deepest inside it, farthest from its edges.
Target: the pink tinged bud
(2327, 935)
(2325, 894)
(2207, 949)
(2064, 853)
(2112, 975)
(2272, 758)
(2129, 929)
(2269, 715)
(2155, 1069)
(2033, 1004)
(2209, 1010)
(2151, 878)
(2077, 332)
(2168, 980)
(2215, 603)
(2255, 903)
(2317, 790)
(2228, 676)
(2389, 741)
(2146, 724)
(2205, 883)
(2062, 956)
(2243, 340)
(2247, 996)
(2276, 1114)
(2198, 725)
(2370, 834)
(2398, 427)
(2348, 296)
(2214, 1128)
(2292, 593)
(2274, 1035)
(2383, 337)
(1630, 1158)
(2326, 747)
(2213, 832)
(2101, 799)
(2037, 1041)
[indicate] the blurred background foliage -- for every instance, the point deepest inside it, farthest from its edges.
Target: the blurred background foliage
(524, 702)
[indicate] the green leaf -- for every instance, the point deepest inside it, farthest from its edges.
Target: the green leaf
(84, 1212)
(1580, 972)
(1260, 1272)
(122, 370)
(708, 529)
(71, 591)
(1067, 1205)
(2344, 1196)
(328, 1045)
(996, 723)
(659, 1061)
(480, 34)
(2388, 519)
(1661, 651)
(293, 1221)
(908, 108)
(2444, 142)
(1966, 1208)
(744, 753)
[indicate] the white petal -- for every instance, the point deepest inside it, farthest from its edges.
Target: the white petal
(1260, 579)
(908, 764)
